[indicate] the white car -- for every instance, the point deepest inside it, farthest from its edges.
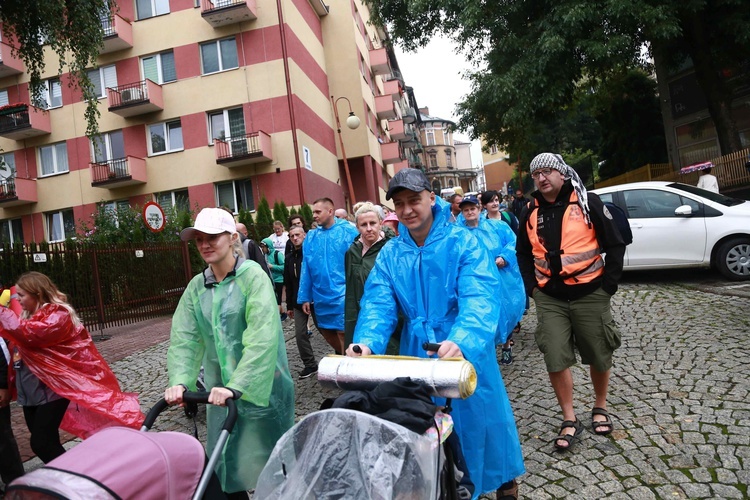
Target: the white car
(678, 225)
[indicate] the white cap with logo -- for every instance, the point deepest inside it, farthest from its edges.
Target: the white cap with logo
(210, 221)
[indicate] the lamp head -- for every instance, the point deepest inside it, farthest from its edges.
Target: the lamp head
(352, 121)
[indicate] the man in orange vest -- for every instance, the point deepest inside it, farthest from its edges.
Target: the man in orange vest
(563, 237)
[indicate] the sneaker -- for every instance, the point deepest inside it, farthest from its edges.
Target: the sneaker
(283, 316)
(507, 357)
(308, 372)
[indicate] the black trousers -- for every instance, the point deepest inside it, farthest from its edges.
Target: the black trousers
(43, 422)
(11, 466)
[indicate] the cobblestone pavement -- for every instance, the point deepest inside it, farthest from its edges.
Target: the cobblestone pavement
(678, 394)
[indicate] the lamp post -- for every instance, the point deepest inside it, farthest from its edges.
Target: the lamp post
(352, 122)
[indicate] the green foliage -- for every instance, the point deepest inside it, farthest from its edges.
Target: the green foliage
(246, 218)
(307, 215)
(293, 211)
(263, 219)
(73, 31)
(280, 212)
(126, 225)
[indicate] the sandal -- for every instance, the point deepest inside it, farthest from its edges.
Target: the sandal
(510, 492)
(596, 424)
(568, 438)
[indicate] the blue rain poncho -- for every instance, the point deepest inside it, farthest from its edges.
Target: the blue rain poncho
(233, 329)
(323, 279)
(443, 289)
(499, 240)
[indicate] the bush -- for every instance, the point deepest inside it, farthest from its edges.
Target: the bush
(306, 213)
(280, 212)
(126, 225)
(263, 219)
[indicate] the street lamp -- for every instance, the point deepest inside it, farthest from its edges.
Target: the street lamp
(352, 122)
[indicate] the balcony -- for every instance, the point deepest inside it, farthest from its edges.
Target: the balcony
(135, 98)
(396, 130)
(379, 62)
(23, 121)
(119, 172)
(400, 166)
(223, 12)
(410, 141)
(15, 191)
(393, 88)
(390, 153)
(254, 147)
(385, 108)
(118, 34)
(9, 64)
(409, 116)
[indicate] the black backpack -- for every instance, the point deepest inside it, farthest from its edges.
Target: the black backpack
(621, 221)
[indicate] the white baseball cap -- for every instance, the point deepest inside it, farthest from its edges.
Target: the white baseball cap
(210, 221)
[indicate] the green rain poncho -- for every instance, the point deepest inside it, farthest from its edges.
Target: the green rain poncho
(233, 329)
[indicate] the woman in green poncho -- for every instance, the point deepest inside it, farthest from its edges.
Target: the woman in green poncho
(228, 321)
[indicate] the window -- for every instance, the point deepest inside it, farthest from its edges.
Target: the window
(446, 137)
(430, 135)
(165, 137)
(226, 124)
(60, 225)
(651, 203)
(448, 158)
(4, 98)
(51, 95)
(53, 159)
(220, 55)
(178, 199)
(159, 68)
(493, 150)
(7, 164)
(433, 160)
(151, 8)
(116, 208)
(108, 147)
(235, 195)
(11, 231)
(103, 78)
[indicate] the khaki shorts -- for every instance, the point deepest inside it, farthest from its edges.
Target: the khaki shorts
(585, 324)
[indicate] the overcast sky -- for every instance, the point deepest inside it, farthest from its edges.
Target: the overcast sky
(435, 74)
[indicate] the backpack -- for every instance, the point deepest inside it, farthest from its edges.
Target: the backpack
(618, 216)
(621, 221)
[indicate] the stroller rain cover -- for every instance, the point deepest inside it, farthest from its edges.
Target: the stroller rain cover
(347, 454)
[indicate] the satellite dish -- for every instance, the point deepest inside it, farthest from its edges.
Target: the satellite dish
(5, 171)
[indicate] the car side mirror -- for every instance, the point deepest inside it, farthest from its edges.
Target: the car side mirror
(683, 211)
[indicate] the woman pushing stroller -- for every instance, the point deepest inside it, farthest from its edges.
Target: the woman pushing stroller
(227, 320)
(61, 379)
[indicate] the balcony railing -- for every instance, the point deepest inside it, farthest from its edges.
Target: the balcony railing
(23, 121)
(135, 98)
(224, 12)
(118, 172)
(16, 191)
(254, 147)
(118, 34)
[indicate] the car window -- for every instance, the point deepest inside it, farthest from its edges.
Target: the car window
(651, 203)
(607, 197)
(718, 198)
(694, 205)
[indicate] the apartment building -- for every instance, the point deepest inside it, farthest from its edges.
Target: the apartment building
(204, 103)
(442, 154)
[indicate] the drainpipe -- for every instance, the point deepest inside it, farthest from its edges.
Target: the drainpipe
(290, 101)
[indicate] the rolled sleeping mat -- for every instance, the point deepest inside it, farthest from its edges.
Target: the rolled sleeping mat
(448, 378)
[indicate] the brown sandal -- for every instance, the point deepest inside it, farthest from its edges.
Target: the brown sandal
(568, 438)
(510, 493)
(596, 424)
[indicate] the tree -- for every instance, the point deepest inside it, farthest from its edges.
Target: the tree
(538, 52)
(246, 218)
(280, 212)
(72, 29)
(263, 219)
(306, 212)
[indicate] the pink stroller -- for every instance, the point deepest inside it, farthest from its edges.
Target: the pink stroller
(122, 463)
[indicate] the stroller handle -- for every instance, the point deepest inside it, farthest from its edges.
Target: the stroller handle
(193, 397)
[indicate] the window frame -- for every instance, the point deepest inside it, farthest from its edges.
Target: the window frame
(167, 141)
(236, 193)
(154, 12)
(12, 238)
(159, 66)
(12, 164)
(47, 95)
(61, 214)
(107, 140)
(55, 159)
(227, 127)
(174, 202)
(103, 79)
(217, 44)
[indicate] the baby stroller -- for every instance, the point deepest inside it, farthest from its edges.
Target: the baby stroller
(344, 453)
(123, 463)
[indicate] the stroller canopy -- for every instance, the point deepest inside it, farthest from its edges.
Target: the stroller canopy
(346, 454)
(119, 462)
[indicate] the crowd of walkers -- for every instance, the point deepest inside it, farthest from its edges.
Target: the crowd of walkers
(457, 273)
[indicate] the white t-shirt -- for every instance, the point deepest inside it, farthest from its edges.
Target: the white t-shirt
(708, 182)
(279, 242)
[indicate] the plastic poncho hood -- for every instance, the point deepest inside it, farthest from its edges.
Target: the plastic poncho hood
(233, 329)
(63, 356)
(323, 278)
(442, 289)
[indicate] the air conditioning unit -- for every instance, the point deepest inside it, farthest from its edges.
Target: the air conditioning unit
(131, 95)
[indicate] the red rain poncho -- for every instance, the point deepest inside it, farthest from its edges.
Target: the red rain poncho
(64, 358)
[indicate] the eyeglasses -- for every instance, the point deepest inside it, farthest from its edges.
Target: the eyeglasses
(542, 171)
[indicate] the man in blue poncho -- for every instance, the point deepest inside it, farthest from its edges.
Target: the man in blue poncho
(323, 280)
(439, 278)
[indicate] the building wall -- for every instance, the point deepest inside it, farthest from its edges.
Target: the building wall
(498, 172)
(257, 86)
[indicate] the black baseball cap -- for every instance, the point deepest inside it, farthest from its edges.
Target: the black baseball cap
(408, 178)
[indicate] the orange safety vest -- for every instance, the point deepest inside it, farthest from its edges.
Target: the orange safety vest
(579, 249)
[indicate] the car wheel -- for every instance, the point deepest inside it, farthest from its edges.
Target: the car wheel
(733, 259)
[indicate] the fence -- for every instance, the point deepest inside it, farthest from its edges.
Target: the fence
(729, 170)
(108, 285)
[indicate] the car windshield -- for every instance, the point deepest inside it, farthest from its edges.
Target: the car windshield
(718, 198)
